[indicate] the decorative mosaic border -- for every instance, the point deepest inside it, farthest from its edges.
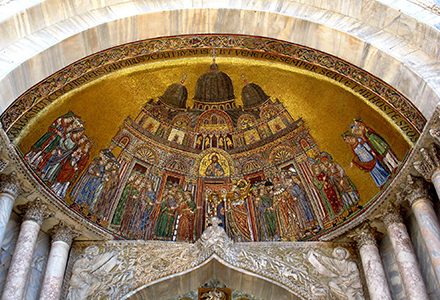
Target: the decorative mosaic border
(403, 113)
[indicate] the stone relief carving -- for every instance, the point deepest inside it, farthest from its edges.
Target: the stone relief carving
(344, 277)
(113, 269)
(97, 274)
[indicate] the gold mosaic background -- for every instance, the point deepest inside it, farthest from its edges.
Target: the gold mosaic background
(326, 106)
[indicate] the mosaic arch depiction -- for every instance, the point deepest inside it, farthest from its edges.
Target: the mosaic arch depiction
(291, 157)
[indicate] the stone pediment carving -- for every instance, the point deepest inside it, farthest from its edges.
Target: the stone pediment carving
(115, 270)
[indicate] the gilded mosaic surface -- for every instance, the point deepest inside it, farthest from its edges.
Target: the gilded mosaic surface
(274, 151)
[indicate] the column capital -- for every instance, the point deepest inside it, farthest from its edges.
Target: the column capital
(64, 233)
(413, 189)
(365, 235)
(391, 215)
(9, 184)
(429, 162)
(36, 211)
(435, 132)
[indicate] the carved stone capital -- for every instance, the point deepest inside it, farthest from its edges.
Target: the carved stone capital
(392, 215)
(35, 211)
(435, 133)
(9, 184)
(429, 162)
(64, 233)
(413, 189)
(365, 235)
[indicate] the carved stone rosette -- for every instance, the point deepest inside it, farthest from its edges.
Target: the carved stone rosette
(9, 184)
(429, 162)
(36, 211)
(414, 189)
(64, 233)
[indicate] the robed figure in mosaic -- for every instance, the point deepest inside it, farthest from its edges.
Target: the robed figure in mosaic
(366, 159)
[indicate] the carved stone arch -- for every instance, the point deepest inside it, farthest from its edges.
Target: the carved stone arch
(196, 166)
(146, 154)
(213, 268)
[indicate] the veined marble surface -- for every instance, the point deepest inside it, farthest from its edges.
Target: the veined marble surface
(395, 40)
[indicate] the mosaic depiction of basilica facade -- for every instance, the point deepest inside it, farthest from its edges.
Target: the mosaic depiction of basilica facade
(167, 171)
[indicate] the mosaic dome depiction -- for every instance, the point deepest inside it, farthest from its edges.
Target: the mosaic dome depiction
(219, 150)
(278, 148)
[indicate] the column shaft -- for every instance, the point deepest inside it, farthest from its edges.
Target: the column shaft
(429, 227)
(406, 261)
(374, 273)
(21, 261)
(8, 194)
(56, 266)
(6, 204)
(436, 181)
(365, 237)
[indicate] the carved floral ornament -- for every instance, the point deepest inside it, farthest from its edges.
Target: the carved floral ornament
(113, 271)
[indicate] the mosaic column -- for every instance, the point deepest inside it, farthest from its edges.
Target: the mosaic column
(372, 264)
(416, 192)
(21, 261)
(62, 236)
(429, 166)
(8, 194)
(405, 256)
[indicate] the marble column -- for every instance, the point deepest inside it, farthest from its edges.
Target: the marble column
(21, 262)
(8, 194)
(416, 192)
(405, 256)
(378, 288)
(62, 236)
